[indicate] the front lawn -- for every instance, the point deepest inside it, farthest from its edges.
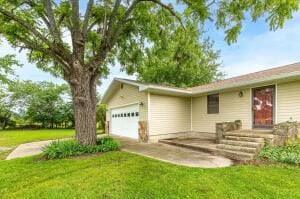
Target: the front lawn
(124, 175)
(9, 138)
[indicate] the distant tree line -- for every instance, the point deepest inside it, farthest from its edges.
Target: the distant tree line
(27, 104)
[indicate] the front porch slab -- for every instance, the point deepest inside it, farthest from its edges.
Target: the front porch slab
(173, 154)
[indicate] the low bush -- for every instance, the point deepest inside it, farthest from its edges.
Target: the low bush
(287, 154)
(62, 149)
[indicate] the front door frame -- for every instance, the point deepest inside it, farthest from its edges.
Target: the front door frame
(273, 86)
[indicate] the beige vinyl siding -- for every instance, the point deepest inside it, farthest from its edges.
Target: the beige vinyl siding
(288, 101)
(231, 107)
(169, 114)
(129, 95)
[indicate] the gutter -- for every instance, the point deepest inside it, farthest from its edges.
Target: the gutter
(247, 83)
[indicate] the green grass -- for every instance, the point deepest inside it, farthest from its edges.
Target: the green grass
(11, 138)
(124, 175)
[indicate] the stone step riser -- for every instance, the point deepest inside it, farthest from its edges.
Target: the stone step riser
(197, 148)
(250, 135)
(246, 139)
(241, 143)
(236, 155)
(237, 148)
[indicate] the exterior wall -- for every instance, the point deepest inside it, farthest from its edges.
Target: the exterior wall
(231, 108)
(129, 95)
(288, 101)
(168, 115)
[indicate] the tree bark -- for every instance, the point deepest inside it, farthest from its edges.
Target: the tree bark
(83, 89)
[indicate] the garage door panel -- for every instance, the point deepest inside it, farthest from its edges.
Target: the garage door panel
(124, 121)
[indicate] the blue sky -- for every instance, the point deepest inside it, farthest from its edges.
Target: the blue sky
(257, 48)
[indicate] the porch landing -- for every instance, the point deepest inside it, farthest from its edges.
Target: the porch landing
(238, 145)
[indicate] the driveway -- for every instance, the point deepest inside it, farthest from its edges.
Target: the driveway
(163, 152)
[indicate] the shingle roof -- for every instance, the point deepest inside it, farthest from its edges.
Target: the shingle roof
(273, 72)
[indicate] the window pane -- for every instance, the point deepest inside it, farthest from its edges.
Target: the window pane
(213, 104)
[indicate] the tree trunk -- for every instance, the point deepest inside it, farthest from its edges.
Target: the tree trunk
(84, 105)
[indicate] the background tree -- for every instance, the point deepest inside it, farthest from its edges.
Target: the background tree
(7, 63)
(180, 59)
(6, 112)
(112, 30)
(42, 103)
(101, 115)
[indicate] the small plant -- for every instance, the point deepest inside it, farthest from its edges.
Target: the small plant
(63, 149)
(287, 154)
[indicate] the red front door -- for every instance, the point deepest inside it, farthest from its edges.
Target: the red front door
(263, 106)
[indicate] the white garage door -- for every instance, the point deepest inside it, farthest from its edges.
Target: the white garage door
(124, 121)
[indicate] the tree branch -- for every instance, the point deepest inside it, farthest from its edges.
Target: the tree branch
(52, 23)
(113, 16)
(25, 25)
(171, 11)
(76, 34)
(86, 18)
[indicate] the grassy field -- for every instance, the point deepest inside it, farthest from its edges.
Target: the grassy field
(124, 175)
(10, 138)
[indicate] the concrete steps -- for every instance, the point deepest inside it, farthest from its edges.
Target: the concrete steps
(241, 143)
(236, 155)
(246, 139)
(237, 148)
(250, 134)
(237, 145)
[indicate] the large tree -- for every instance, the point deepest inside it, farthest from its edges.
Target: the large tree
(112, 30)
(182, 58)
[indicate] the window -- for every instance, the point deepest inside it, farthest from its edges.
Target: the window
(136, 113)
(132, 114)
(128, 114)
(213, 104)
(125, 114)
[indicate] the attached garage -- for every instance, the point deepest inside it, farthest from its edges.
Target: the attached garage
(124, 121)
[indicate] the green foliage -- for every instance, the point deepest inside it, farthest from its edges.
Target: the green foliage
(6, 113)
(180, 59)
(7, 63)
(232, 13)
(287, 154)
(101, 115)
(63, 149)
(42, 102)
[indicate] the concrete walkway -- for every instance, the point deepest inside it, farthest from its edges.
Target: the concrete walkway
(173, 154)
(163, 152)
(28, 149)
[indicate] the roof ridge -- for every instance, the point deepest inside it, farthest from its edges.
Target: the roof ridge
(249, 74)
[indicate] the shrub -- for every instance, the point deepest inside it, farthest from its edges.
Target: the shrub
(62, 149)
(287, 154)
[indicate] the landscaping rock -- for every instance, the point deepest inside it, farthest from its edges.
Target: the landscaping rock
(225, 127)
(143, 131)
(285, 133)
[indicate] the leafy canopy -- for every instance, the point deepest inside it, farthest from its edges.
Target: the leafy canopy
(111, 31)
(7, 63)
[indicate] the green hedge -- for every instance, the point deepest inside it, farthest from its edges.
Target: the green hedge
(62, 149)
(287, 154)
